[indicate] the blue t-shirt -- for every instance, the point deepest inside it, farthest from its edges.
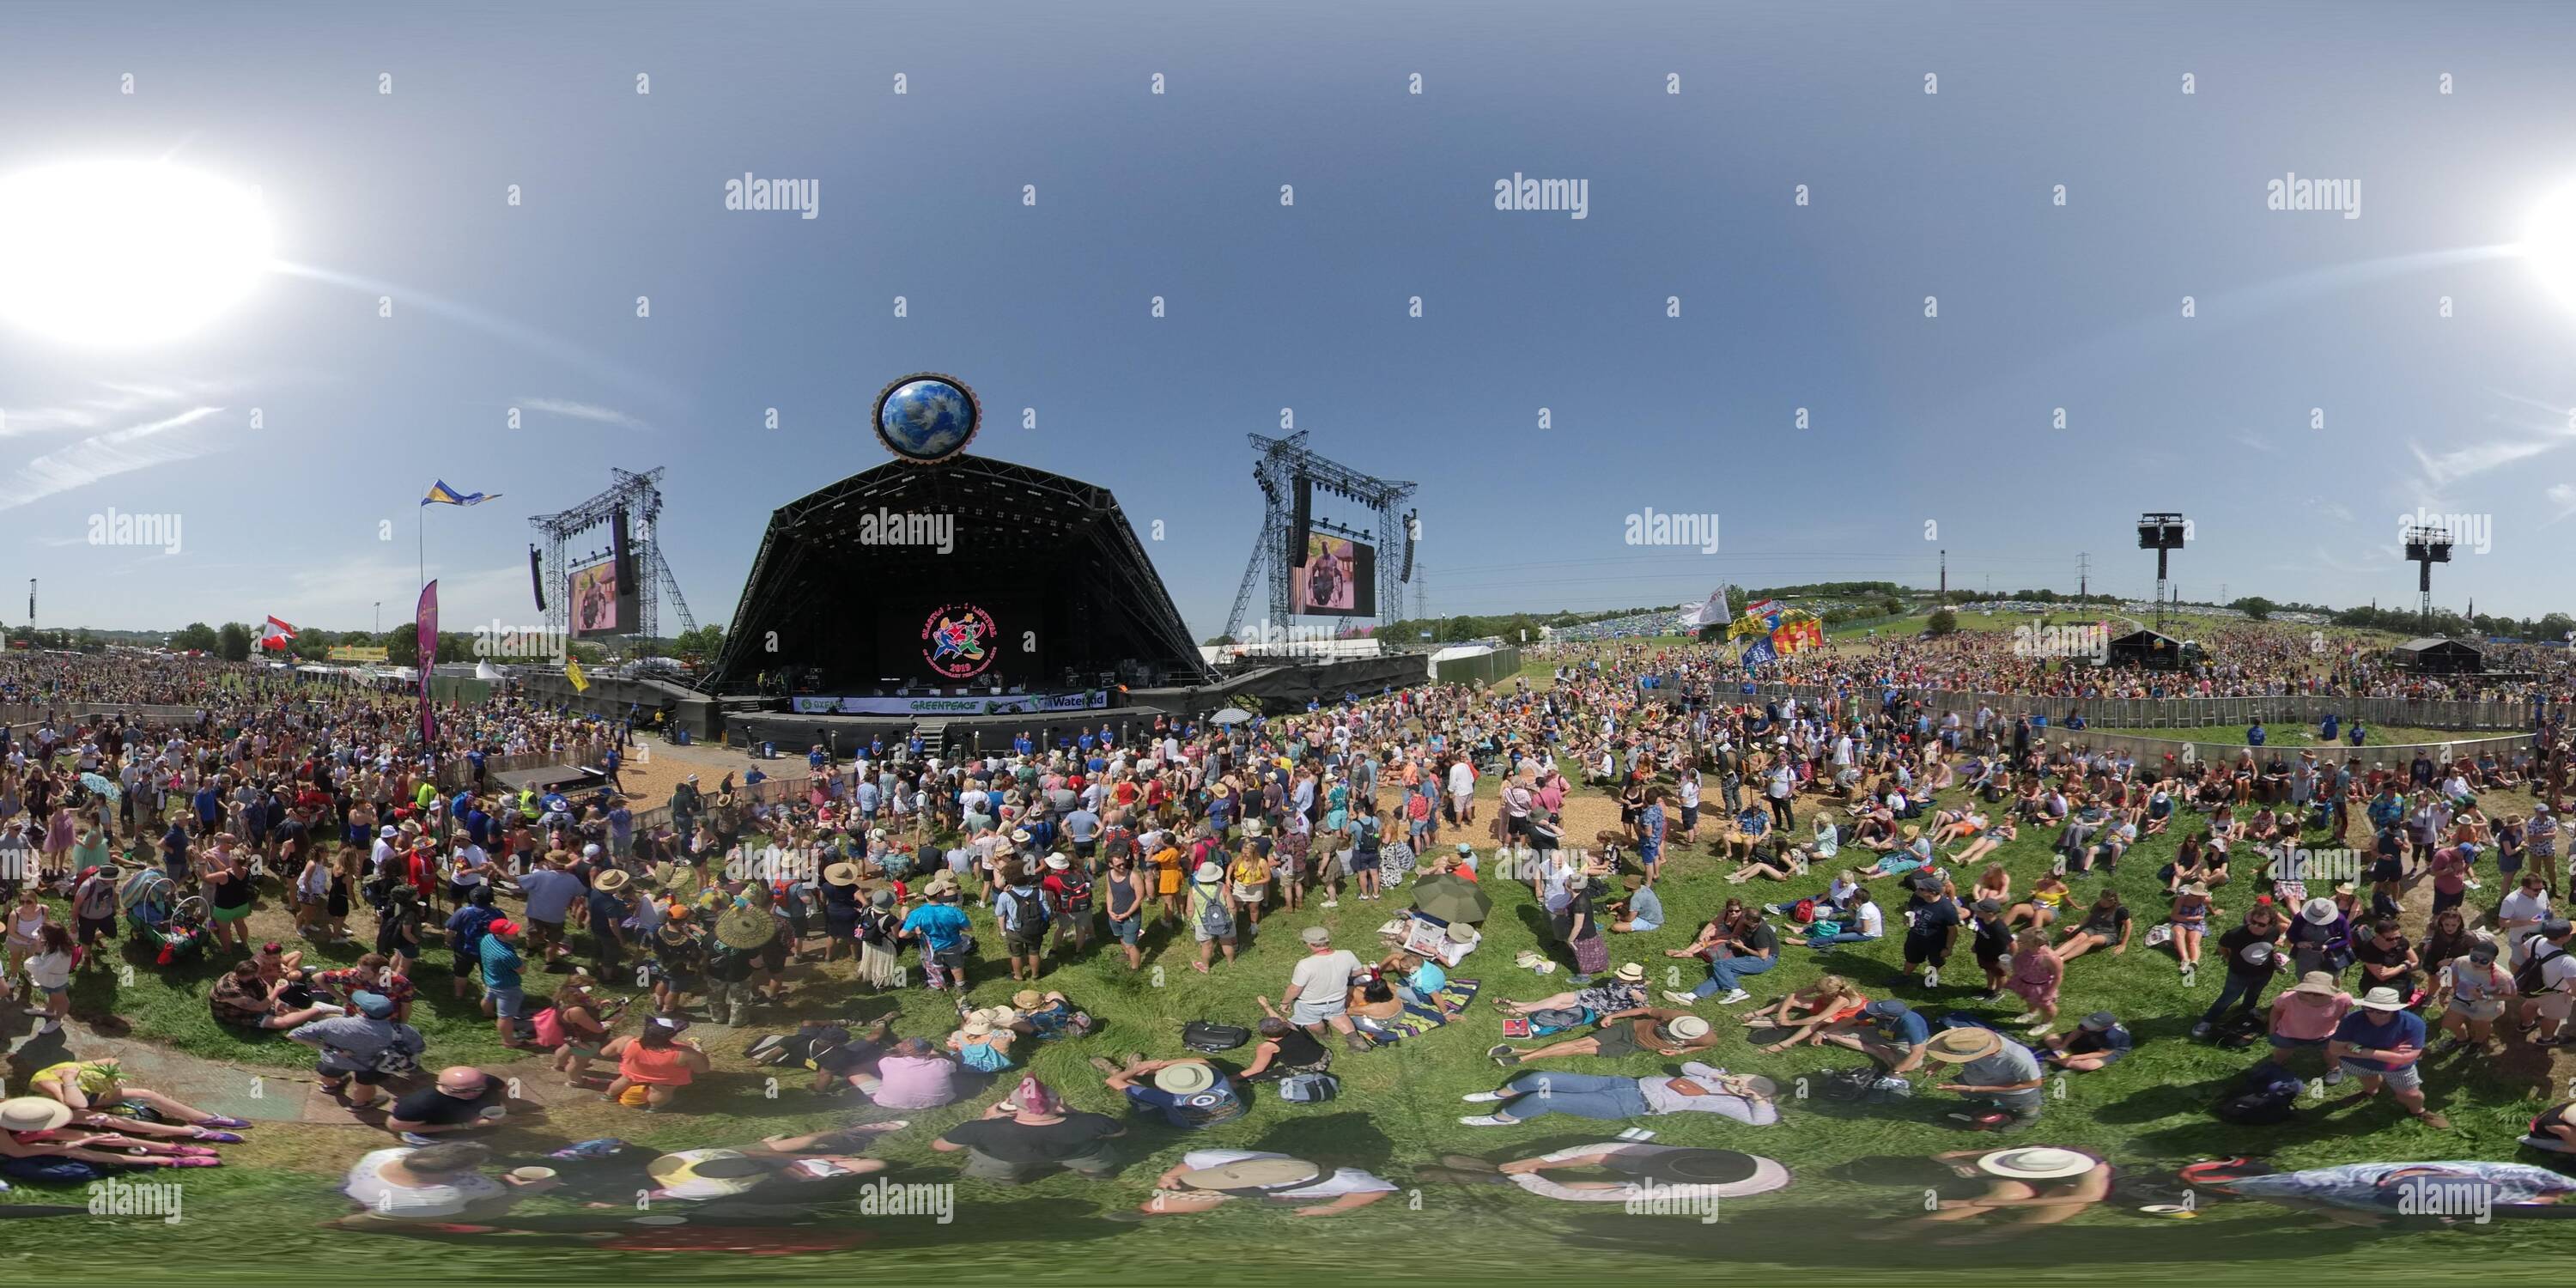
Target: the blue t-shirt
(2380, 1030)
(940, 926)
(1204, 1109)
(1908, 1030)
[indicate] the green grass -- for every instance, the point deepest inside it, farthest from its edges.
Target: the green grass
(1397, 1112)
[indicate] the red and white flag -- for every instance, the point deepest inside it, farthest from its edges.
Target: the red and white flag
(279, 633)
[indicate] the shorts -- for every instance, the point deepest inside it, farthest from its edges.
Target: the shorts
(1126, 928)
(548, 930)
(1921, 951)
(1249, 893)
(1358, 861)
(2387, 869)
(94, 928)
(362, 1077)
(2408, 1078)
(1024, 943)
(1690, 817)
(1619, 1039)
(467, 964)
(773, 955)
(1304, 1014)
(2483, 1009)
(232, 914)
(507, 1002)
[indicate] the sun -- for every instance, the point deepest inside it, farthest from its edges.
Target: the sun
(2549, 243)
(121, 253)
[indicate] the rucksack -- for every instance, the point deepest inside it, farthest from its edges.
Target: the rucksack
(1020, 913)
(2526, 981)
(1207, 1035)
(1866, 1085)
(1309, 1088)
(1077, 888)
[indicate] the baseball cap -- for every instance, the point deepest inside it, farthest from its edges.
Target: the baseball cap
(1316, 935)
(374, 1006)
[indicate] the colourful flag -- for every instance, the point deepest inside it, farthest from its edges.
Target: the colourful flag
(426, 620)
(277, 636)
(441, 494)
(1759, 652)
(572, 672)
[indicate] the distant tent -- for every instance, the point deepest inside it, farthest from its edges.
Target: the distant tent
(2147, 648)
(2433, 655)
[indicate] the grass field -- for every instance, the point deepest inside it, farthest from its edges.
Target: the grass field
(1858, 1171)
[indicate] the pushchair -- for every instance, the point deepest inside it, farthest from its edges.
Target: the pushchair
(157, 914)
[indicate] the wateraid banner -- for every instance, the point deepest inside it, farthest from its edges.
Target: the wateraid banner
(1015, 704)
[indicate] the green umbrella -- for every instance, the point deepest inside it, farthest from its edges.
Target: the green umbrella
(1452, 899)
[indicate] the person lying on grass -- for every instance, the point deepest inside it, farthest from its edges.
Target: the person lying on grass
(1207, 1178)
(34, 1127)
(1624, 990)
(95, 1088)
(1697, 1088)
(1807, 1014)
(1622, 1033)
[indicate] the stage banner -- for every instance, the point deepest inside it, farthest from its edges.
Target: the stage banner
(1014, 704)
(427, 618)
(356, 653)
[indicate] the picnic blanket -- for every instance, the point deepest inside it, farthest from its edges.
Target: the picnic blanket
(1414, 1021)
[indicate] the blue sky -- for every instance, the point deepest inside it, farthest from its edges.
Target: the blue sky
(1911, 419)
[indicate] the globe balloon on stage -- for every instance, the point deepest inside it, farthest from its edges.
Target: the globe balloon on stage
(927, 418)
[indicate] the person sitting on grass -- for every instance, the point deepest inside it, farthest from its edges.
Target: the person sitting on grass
(1887, 1031)
(1783, 864)
(2106, 925)
(1640, 911)
(1914, 855)
(1744, 836)
(462, 1099)
(1279, 1050)
(440, 1182)
(368, 1048)
(1805, 1015)
(2098, 1042)
(658, 1060)
(1031, 1133)
(1989, 839)
(241, 1000)
(1622, 1033)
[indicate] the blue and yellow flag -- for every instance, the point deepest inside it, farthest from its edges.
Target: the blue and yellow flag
(441, 494)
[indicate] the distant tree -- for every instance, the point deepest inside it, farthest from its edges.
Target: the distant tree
(2255, 607)
(194, 635)
(232, 643)
(1943, 622)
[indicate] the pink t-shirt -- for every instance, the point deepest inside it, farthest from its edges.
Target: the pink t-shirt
(2308, 1016)
(915, 1082)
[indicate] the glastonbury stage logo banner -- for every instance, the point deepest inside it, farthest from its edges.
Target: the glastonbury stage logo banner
(959, 641)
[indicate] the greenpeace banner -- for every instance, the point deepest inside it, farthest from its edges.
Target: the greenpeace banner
(1014, 704)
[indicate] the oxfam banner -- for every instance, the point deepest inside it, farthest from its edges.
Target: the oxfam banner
(1016, 704)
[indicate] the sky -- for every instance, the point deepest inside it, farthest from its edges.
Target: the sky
(2329, 378)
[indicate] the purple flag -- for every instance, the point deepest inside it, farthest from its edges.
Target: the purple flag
(428, 619)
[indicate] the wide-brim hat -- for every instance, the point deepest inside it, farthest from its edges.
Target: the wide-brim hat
(1208, 872)
(2381, 999)
(2318, 911)
(612, 880)
(842, 874)
(1461, 933)
(33, 1113)
(1959, 1046)
(1252, 1174)
(746, 928)
(1220, 791)
(1186, 1079)
(1252, 827)
(2039, 1163)
(1716, 1173)
(716, 1171)
(1687, 1028)
(1632, 972)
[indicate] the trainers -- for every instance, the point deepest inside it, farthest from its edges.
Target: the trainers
(2200, 1030)
(415, 1138)
(1739, 995)
(1679, 998)
(1490, 1120)
(1484, 1097)
(2334, 1075)
(1330, 903)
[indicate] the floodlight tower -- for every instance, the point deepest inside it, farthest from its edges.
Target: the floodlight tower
(2161, 533)
(2427, 545)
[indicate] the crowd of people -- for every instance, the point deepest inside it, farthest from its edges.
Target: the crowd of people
(1170, 848)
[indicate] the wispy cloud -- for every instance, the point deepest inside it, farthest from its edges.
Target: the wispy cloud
(2331, 509)
(2258, 443)
(582, 411)
(106, 455)
(2478, 458)
(114, 400)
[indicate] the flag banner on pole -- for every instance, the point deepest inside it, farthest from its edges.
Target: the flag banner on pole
(1760, 617)
(1712, 613)
(427, 621)
(278, 635)
(1759, 652)
(441, 494)
(572, 672)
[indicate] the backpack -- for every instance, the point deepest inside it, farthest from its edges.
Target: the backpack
(2526, 981)
(1077, 888)
(1020, 913)
(1866, 1085)
(1309, 1088)
(1206, 1035)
